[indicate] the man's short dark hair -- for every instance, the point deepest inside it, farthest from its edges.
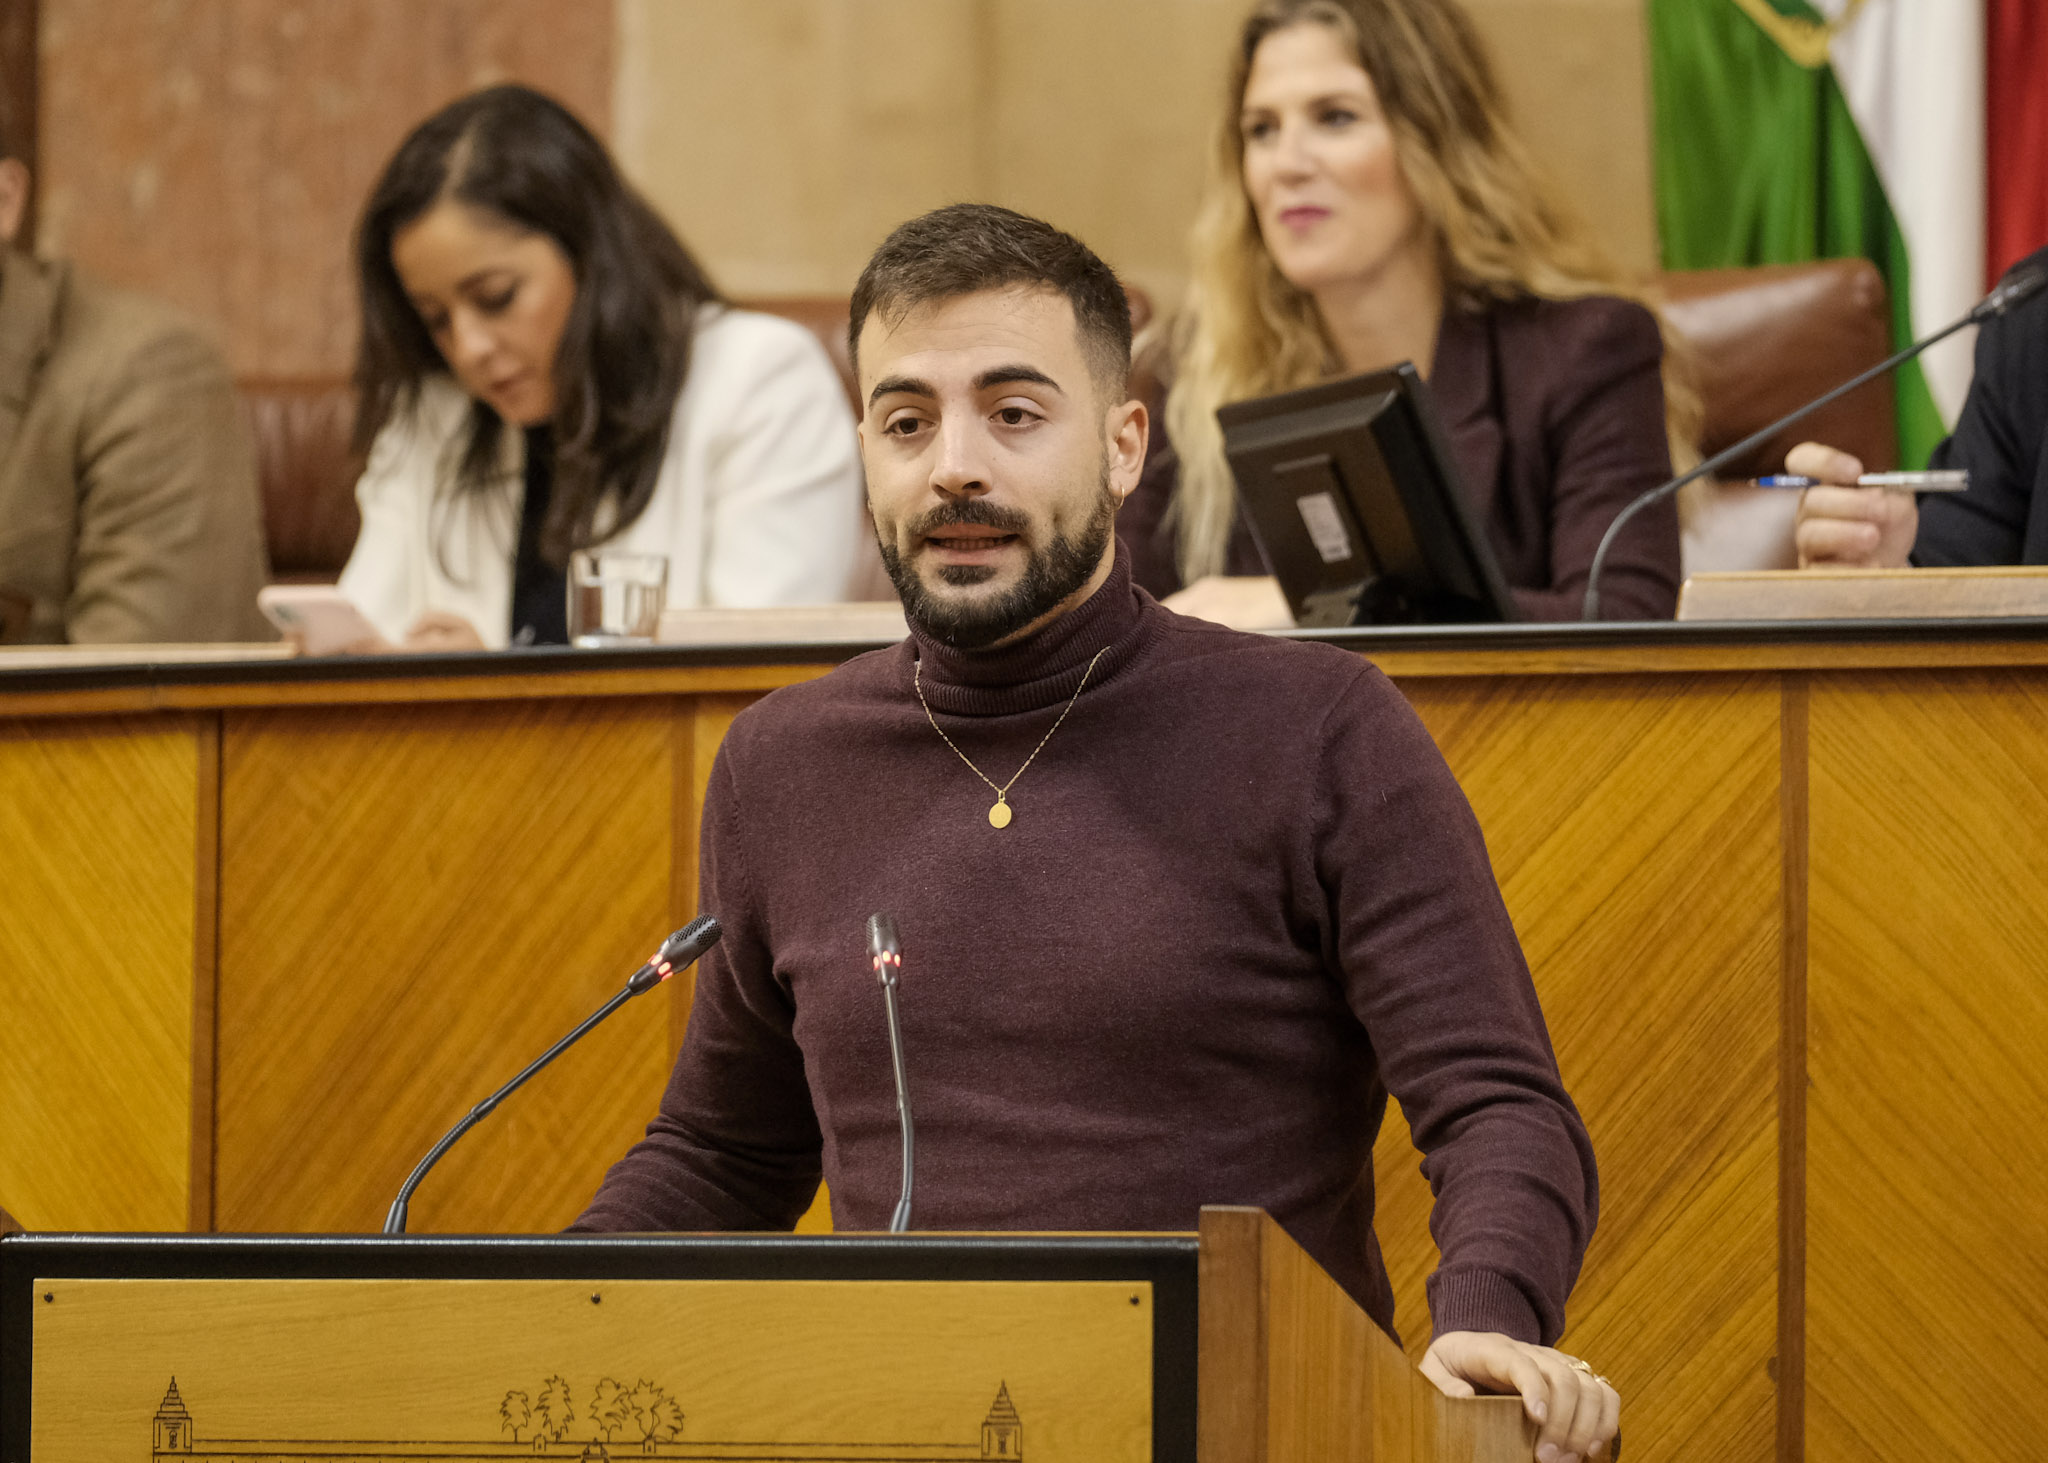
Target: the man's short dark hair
(966, 248)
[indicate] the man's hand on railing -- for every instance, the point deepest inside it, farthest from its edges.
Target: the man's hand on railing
(1577, 1414)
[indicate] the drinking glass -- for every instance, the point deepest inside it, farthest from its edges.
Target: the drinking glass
(615, 599)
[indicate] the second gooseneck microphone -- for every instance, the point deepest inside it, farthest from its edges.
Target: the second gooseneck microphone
(885, 951)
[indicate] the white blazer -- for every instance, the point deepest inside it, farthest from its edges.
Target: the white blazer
(759, 500)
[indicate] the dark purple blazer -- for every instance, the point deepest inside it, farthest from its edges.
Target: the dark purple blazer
(1555, 411)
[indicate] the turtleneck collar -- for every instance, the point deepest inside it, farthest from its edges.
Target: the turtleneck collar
(1044, 668)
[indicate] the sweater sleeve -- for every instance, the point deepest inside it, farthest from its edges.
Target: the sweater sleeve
(1433, 969)
(1606, 441)
(736, 1143)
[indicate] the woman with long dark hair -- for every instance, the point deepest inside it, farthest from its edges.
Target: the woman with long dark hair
(544, 368)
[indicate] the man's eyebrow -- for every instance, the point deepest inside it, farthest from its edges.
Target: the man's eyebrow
(1005, 375)
(993, 376)
(901, 386)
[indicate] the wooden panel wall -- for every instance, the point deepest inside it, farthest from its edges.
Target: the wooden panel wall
(1635, 829)
(99, 825)
(1927, 1233)
(517, 858)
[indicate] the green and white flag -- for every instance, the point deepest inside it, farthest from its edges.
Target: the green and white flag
(1789, 130)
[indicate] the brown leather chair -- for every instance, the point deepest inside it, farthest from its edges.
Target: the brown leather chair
(1767, 339)
(1764, 340)
(306, 471)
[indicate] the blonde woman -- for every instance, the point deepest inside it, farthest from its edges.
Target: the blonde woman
(1368, 205)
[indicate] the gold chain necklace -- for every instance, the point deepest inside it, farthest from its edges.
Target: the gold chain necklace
(999, 815)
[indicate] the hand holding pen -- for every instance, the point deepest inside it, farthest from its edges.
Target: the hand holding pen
(1845, 522)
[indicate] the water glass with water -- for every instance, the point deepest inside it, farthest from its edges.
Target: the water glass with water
(614, 598)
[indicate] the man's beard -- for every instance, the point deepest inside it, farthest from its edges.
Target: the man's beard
(1051, 575)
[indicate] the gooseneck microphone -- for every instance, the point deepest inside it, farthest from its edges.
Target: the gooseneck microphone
(885, 951)
(678, 952)
(2020, 285)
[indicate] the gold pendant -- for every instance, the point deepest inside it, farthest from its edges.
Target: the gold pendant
(999, 815)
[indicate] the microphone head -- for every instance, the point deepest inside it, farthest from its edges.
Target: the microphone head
(882, 941)
(882, 936)
(2016, 288)
(678, 952)
(689, 942)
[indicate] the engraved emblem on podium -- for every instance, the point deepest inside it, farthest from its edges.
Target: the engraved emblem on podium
(611, 1421)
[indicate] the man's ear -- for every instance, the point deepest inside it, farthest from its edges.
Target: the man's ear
(1127, 428)
(14, 187)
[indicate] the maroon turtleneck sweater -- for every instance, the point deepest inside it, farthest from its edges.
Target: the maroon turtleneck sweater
(1241, 901)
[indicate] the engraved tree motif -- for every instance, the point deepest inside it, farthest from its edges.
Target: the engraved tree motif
(656, 1414)
(611, 1408)
(668, 1422)
(514, 1413)
(553, 1413)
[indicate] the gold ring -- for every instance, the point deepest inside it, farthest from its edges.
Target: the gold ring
(1578, 1365)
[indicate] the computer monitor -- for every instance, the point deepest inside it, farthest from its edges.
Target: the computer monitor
(1355, 498)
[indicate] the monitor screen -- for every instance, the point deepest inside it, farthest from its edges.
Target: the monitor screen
(1356, 501)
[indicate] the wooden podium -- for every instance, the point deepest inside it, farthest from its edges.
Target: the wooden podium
(1227, 1347)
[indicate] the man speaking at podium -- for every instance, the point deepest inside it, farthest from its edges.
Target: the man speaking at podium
(1179, 906)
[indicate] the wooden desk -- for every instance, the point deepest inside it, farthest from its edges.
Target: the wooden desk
(269, 929)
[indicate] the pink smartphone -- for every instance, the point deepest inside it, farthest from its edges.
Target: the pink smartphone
(324, 620)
